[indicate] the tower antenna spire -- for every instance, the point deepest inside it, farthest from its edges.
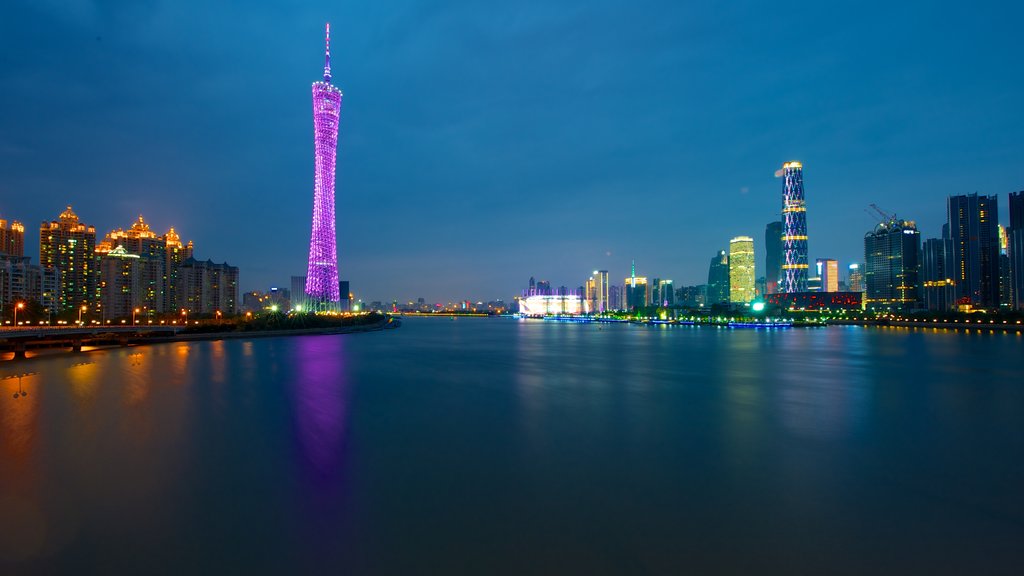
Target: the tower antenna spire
(327, 59)
(633, 273)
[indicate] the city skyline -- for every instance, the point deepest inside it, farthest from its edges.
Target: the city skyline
(440, 157)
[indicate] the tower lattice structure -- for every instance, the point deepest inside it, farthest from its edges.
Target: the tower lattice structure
(794, 230)
(322, 294)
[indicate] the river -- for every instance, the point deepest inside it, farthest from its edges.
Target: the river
(498, 446)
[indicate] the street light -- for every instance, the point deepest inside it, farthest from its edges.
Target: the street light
(80, 310)
(218, 315)
(185, 314)
(18, 306)
(134, 312)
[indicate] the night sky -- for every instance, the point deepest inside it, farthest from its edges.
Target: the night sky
(482, 144)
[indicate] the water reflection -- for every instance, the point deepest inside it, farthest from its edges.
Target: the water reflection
(823, 384)
(320, 393)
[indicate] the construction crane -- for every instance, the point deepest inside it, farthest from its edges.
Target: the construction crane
(880, 212)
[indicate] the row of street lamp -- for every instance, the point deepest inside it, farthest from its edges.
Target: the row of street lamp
(84, 308)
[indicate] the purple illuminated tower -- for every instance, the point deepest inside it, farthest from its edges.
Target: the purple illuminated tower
(322, 275)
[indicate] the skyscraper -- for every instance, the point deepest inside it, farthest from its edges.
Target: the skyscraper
(741, 270)
(794, 230)
(1015, 249)
(69, 246)
(891, 254)
(1005, 281)
(718, 279)
(666, 293)
(322, 293)
(175, 254)
(973, 229)
(597, 291)
(855, 278)
(828, 271)
(772, 256)
(938, 286)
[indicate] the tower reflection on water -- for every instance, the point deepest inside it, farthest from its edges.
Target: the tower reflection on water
(320, 393)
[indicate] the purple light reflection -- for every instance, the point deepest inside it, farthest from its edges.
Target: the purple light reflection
(320, 394)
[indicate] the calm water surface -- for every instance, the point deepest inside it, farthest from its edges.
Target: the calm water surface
(495, 446)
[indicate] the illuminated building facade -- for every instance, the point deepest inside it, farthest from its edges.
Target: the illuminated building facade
(175, 253)
(855, 278)
(637, 292)
(553, 304)
(828, 271)
(322, 294)
(1005, 286)
(208, 288)
(891, 253)
(1015, 249)
(817, 300)
(152, 278)
(69, 246)
(937, 287)
(718, 279)
(12, 238)
(22, 281)
(794, 230)
(772, 256)
(666, 293)
(128, 282)
(599, 297)
(974, 233)
(741, 270)
(692, 296)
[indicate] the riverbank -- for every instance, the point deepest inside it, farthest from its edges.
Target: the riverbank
(966, 326)
(102, 342)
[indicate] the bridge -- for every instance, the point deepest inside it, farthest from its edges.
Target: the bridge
(20, 339)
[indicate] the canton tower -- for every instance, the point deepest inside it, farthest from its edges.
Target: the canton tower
(794, 230)
(322, 293)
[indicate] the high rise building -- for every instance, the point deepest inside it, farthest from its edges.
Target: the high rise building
(972, 227)
(937, 286)
(208, 288)
(298, 284)
(718, 279)
(597, 291)
(615, 298)
(69, 246)
(22, 281)
(891, 253)
(828, 271)
(345, 291)
(794, 230)
(1015, 249)
(1005, 273)
(139, 240)
(127, 283)
(175, 254)
(637, 292)
(322, 293)
(12, 238)
(772, 256)
(741, 270)
(855, 278)
(692, 296)
(666, 293)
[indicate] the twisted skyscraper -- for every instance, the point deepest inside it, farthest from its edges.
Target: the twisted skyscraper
(794, 230)
(322, 293)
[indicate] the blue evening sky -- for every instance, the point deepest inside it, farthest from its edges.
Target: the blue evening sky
(484, 142)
